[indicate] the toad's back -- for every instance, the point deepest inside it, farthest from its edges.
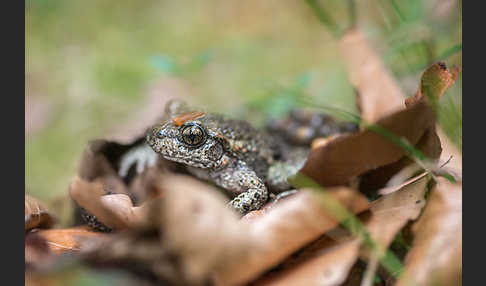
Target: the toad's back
(257, 148)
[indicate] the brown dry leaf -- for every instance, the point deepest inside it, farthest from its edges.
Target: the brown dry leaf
(373, 180)
(122, 207)
(192, 226)
(284, 229)
(115, 211)
(253, 215)
(326, 261)
(450, 151)
(381, 161)
(330, 239)
(434, 82)
(349, 156)
(183, 237)
(393, 211)
(328, 264)
(100, 160)
(328, 267)
(379, 94)
(36, 214)
(390, 214)
(256, 214)
(67, 240)
(199, 227)
(146, 185)
(36, 249)
(98, 163)
(394, 188)
(436, 255)
(321, 142)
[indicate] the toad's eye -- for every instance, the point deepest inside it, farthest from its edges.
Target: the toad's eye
(193, 135)
(161, 134)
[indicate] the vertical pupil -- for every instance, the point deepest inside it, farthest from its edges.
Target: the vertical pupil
(192, 135)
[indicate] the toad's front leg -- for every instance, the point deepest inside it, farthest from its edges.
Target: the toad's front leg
(252, 199)
(252, 192)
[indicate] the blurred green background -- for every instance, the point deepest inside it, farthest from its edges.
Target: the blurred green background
(91, 64)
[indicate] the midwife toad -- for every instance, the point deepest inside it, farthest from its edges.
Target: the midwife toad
(229, 152)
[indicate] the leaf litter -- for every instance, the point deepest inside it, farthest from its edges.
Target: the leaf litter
(174, 229)
(36, 214)
(436, 255)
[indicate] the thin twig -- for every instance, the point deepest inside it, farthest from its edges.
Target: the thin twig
(447, 162)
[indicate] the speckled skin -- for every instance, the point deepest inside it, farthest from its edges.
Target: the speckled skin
(232, 154)
(93, 222)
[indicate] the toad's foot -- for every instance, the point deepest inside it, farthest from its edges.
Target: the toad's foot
(142, 156)
(252, 199)
(236, 177)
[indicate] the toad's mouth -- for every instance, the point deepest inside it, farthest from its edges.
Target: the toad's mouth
(190, 161)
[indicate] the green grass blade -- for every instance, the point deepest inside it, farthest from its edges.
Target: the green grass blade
(410, 150)
(387, 259)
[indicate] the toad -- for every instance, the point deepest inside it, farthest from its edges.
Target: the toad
(231, 153)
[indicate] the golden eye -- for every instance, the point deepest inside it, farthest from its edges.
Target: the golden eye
(193, 135)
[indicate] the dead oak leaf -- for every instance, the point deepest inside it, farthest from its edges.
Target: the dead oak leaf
(452, 155)
(284, 229)
(100, 162)
(434, 82)
(430, 146)
(436, 254)
(36, 214)
(329, 267)
(36, 249)
(379, 95)
(208, 241)
(390, 214)
(116, 211)
(328, 263)
(393, 211)
(349, 156)
(69, 239)
(395, 188)
(378, 158)
(182, 238)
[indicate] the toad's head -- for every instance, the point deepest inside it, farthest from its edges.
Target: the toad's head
(188, 138)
